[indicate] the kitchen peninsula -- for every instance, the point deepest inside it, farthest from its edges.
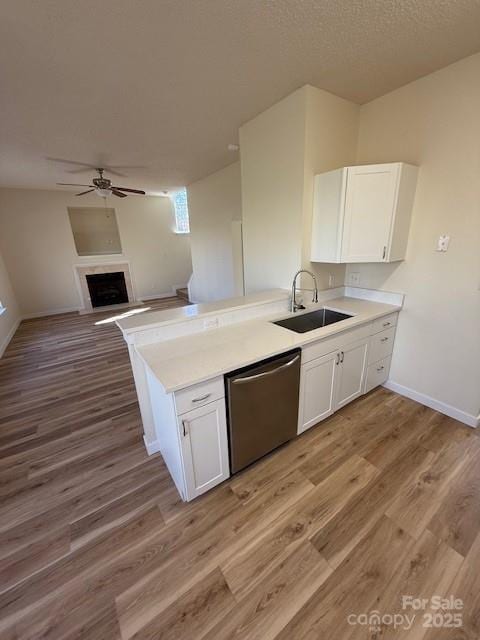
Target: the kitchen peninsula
(179, 359)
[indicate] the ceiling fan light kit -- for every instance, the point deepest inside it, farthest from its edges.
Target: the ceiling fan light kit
(103, 193)
(103, 187)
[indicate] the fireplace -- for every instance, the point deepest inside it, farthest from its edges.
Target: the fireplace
(107, 288)
(96, 292)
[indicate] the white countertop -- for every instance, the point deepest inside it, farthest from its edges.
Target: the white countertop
(181, 362)
(151, 319)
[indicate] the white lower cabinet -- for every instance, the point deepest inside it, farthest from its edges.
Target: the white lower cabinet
(381, 345)
(203, 436)
(377, 374)
(380, 355)
(353, 359)
(194, 442)
(330, 382)
(191, 425)
(317, 390)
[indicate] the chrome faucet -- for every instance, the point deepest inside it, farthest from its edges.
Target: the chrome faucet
(294, 305)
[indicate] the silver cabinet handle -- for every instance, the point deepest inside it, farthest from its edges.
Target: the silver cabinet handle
(384, 340)
(380, 368)
(267, 373)
(386, 324)
(202, 398)
(342, 356)
(337, 361)
(384, 253)
(184, 426)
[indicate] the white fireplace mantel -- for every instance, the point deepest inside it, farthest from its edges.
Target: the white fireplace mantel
(82, 270)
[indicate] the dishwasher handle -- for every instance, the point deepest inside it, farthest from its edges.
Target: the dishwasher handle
(266, 373)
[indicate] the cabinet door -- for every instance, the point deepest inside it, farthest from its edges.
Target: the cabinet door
(203, 434)
(369, 208)
(317, 390)
(351, 373)
(327, 222)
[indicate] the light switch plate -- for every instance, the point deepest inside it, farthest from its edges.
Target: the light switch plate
(354, 278)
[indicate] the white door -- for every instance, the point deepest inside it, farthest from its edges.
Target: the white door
(317, 390)
(351, 372)
(203, 434)
(369, 207)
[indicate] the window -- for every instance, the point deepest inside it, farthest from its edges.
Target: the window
(95, 231)
(180, 204)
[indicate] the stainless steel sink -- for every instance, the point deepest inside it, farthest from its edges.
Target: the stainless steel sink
(313, 320)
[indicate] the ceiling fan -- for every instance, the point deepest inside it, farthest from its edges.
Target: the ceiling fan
(103, 187)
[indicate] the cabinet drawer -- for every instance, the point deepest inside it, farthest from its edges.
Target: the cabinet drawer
(327, 345)
(377, 374)
(199, 395)
(381, 345)
(385, 323)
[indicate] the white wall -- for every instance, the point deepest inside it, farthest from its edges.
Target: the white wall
(272, 149)
(10, 318)
(330, 142)
(308, 132)
(215, 206)
(434, 123)
(38, 248)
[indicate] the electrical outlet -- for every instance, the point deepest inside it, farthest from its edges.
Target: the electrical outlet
(442, 244)
(354, 278)
(331, 280)
(210, 323)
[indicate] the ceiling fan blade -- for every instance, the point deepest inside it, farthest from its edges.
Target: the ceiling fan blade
(74, 162)
(114, 172)
(69, 184)
(105, 169)
(115, 169)
(118, 193)
(84, 192)
(124, 167)
(127, 166)
(139, 191)
(81, 170)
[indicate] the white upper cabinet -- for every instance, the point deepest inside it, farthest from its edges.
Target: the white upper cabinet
(362, 213)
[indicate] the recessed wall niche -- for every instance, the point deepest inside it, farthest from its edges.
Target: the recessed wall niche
(95, 231)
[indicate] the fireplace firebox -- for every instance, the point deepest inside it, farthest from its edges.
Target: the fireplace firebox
(107, 288)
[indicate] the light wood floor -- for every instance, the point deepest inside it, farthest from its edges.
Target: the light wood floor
(381, 500)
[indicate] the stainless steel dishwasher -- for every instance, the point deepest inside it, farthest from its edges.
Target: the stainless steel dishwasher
(262, 407)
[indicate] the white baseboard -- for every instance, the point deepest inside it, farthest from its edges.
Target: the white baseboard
(50, 312)
(151, 447)
(467, 418)
(9, 336)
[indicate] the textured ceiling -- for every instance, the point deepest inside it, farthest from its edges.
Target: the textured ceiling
(165, 84)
